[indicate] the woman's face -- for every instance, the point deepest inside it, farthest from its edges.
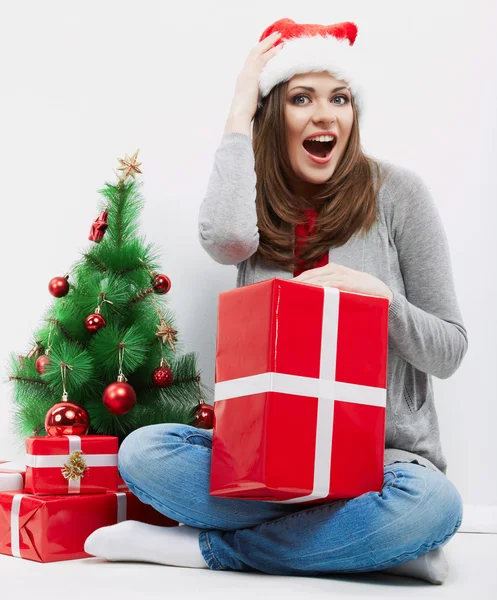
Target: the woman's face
(307, 112)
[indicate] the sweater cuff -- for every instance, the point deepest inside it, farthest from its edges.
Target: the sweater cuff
(397, 303)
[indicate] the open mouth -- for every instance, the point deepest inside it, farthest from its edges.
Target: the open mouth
(319, 149)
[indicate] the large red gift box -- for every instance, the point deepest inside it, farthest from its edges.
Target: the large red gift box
(49, 459)
(300, 393)
(55, 528)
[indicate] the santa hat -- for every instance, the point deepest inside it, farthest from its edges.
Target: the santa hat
(312, 48)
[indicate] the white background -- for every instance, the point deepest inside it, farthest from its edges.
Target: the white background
(85, 83)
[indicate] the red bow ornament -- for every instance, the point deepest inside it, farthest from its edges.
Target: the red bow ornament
(98, 227)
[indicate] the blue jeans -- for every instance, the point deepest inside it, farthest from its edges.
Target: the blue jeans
(168, 466)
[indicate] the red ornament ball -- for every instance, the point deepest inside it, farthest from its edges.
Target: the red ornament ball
(119, 398)
(66, 418)
(162, 377)
(161, 284)
(41, 363)
(94, 322)
(203, 416)
(58, 286)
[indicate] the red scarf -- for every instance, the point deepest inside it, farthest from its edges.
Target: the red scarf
(303, 230)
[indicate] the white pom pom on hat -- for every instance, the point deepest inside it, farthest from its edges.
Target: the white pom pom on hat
(313, 48)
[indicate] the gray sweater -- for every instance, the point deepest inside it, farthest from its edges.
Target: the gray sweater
(406, 248)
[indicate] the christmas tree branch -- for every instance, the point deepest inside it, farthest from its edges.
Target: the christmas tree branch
(95, 262)
(121, 190)
(66, 333)
(143, 294)
(98, 264)
(28, 379)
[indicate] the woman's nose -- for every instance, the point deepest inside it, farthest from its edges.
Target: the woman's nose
(325, 113)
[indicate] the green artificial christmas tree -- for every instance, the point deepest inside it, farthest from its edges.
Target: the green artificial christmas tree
(105, 360)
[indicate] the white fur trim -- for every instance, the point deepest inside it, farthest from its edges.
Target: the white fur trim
(313, 54)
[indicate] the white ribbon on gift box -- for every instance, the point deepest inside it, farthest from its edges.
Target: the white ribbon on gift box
(16, 507)
(59, 460)
(326, 389)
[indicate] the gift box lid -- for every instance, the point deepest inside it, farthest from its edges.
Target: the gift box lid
(262, 327)
(90, 444)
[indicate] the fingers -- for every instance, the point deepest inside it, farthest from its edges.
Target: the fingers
(272, 51)
(266, 43)
(269, 41)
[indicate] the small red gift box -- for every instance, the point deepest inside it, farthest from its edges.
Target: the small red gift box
(71, 464)
(55, 528)
(300, 393)
(11, 479)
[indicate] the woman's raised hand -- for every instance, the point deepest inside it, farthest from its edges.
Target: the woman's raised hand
(244, 103)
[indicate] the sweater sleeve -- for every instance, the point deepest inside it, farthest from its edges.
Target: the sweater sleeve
(227, 224)
(425, 326)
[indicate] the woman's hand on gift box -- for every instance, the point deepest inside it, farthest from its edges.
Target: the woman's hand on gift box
(348, 280)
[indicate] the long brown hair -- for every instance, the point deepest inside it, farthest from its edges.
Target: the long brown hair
(348, 198)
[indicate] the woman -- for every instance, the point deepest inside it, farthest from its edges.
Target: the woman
(282, 205)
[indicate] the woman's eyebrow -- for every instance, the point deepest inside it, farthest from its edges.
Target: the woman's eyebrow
(311, 89)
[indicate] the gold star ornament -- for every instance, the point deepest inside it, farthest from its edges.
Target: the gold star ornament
(167, 333)
(129, 167)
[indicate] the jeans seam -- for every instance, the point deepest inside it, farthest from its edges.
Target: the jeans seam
(436, 543)
(211, 552)
(394, 479)
(196, 435)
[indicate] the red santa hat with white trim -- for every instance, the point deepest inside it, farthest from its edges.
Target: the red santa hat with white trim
(313, 48)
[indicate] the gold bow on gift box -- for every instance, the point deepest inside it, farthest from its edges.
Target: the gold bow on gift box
(75, 467)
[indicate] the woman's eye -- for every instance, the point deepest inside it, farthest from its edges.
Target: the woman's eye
(345, 98)
(298, 96)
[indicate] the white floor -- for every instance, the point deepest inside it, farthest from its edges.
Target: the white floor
(473, 559)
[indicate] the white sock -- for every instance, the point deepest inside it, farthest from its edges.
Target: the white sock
(431, 566)
(136, 541)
